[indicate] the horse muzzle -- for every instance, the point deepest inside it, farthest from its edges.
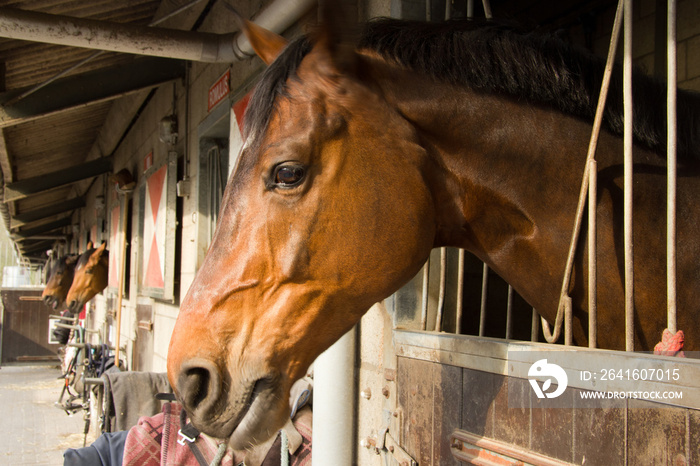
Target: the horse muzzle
(74, 306)
(245, 413)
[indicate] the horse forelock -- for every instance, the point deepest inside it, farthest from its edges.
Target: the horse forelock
(272, 84)
(501, 58)
(59, 265)
(84, 257)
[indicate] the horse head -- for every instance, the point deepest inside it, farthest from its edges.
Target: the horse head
(90, 277)
(307, 239)
(59, 282)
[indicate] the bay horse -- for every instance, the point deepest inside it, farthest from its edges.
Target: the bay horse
(91, 273)
(361, 155)
(59, 282)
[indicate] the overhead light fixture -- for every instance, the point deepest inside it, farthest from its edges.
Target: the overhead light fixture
(168, 130)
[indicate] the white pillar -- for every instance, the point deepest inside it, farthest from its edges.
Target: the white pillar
(334, 404)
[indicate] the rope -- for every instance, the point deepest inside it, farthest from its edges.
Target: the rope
(551, 338)
(284, 449)
(220, 453)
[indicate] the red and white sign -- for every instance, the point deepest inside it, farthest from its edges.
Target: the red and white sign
(220, 89)
(236, 140)
(239, 110)
(154, 230)
(148, 161)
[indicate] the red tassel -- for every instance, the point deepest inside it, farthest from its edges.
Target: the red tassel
(671, 345)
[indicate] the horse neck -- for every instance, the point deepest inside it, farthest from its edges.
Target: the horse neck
(498, 170)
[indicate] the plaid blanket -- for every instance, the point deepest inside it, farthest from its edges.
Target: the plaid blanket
(153, 442)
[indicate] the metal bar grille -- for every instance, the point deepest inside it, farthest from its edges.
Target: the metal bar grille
(671, 157)
(588, 195)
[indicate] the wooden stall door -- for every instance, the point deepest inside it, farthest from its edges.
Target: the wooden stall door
(25, 327)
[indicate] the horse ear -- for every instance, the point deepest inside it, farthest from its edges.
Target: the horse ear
(266, 44)
(99, 252)
(90, 245)
(338, 35)
(70, 260)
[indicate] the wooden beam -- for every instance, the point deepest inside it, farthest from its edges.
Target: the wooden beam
(25, 188)
(42, 229)
(48, 211)
(39, 246)
(5, 162)
(89, 87)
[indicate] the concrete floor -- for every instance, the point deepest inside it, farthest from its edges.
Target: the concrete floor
(32, 430)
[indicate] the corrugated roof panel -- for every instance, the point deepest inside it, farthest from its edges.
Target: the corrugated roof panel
(64, 139)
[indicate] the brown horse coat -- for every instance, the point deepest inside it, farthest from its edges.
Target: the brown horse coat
(358, 161)
(59, 282)
(91, 273)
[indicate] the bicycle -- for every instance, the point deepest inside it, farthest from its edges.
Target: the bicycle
(82, 365)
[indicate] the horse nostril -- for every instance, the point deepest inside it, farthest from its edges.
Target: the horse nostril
(195, 386)
(199, 386)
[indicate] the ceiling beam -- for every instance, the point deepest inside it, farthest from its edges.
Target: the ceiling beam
(27, 187)
(39, 246)
(41, 230)
(93, 86)
(48, 211)
(5, 162)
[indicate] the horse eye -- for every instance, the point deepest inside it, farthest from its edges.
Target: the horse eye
(287, 176)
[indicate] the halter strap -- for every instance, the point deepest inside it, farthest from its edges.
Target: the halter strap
(188, 436)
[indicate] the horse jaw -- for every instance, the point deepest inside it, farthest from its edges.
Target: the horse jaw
(316, 255)
(237, 388)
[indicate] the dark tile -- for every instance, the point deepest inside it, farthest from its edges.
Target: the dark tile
(447, 411)
(479, 392)
(512, 425)
(694, 437)
(599, 432)
(552, 428)
(655, 434)
(415, 385)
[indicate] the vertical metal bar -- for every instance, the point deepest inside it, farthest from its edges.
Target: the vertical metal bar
(460, 292)
(487, 9)
(470, 8)
(553, 337)
(535, 327)
(484, 289)
(568, 319)
(441, 292)
(122, 276)
(509, 314)
(672, 80)
(424, 297)
(592, 259)
(628, 142)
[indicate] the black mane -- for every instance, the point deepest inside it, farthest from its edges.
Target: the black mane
(501, 59)
(59, 265)
(83, 258)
